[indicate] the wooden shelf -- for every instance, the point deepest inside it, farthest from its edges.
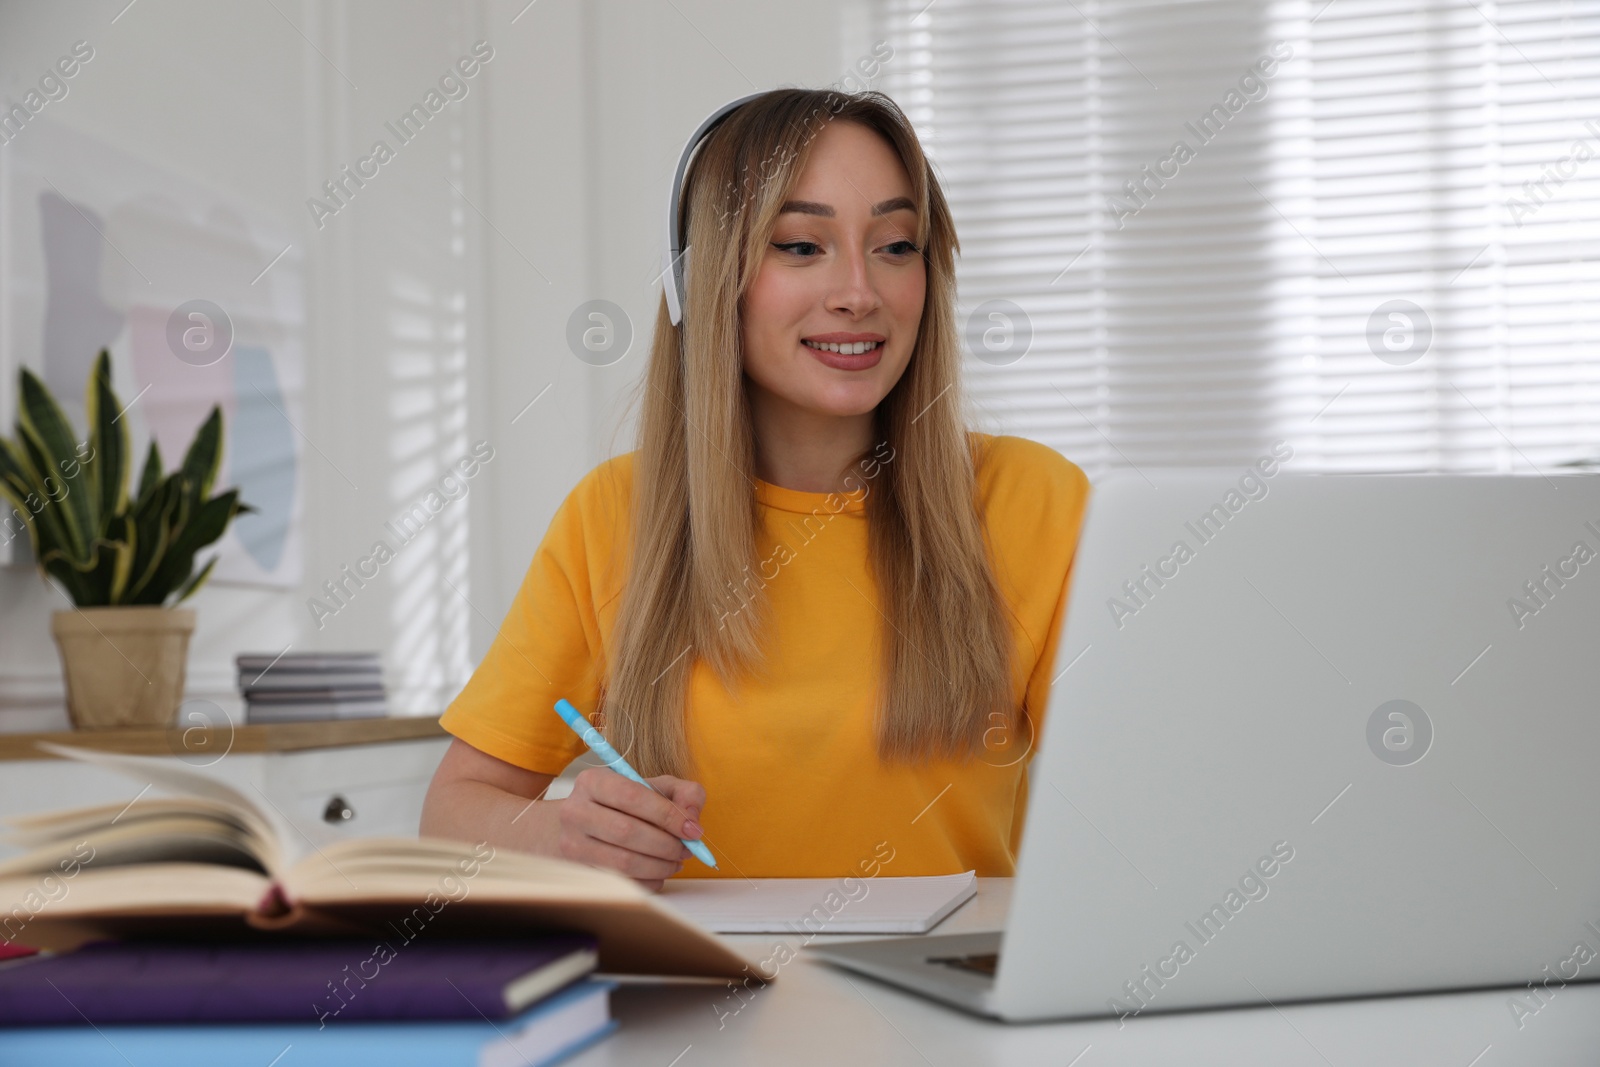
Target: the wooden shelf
(198, 741)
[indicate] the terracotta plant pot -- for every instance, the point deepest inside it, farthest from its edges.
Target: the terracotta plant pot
(124, 666)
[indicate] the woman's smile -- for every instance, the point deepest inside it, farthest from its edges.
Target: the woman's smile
(843, 352)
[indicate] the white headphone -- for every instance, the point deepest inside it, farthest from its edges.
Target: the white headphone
(676, 288)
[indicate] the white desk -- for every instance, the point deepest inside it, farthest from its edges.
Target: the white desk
(817, 1014)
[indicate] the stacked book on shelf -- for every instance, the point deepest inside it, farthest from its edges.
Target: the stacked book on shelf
(293, 687)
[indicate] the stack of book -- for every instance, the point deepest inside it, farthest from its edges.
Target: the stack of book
(336, 1002)
(197, 927)
(311, 685)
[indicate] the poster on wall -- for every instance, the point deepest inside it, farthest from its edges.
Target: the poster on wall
(199, 297)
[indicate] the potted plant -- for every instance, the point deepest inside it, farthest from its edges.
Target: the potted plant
(119, 557)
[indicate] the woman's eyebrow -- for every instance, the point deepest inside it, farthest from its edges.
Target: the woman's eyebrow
(811, 207)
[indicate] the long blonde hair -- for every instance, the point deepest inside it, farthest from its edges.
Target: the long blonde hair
(695, 516)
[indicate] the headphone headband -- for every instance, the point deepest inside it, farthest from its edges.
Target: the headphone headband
(676, 288)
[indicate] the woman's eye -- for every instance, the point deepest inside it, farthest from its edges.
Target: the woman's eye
(810, 249)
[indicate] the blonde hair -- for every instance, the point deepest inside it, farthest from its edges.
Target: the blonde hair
(695, 516)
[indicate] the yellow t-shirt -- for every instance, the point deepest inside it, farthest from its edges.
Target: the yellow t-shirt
(794, 786)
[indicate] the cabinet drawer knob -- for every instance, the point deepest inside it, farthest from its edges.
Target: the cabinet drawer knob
(338, 810)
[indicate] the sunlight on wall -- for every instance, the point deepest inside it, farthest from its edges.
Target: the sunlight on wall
(427, 401)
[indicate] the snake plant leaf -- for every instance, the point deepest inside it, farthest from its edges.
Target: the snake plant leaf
(154, 519)
(47, 430)
(94, 578)
(126, 546)
(193, 585)
(16, 489)
(101, 570)
(13, 472)
(15, 480)
(208, 523)
(108, 440)
(187, 503)
(48, 523)
(102, 546)
(151, 477)
(59, 567)
(204, 457)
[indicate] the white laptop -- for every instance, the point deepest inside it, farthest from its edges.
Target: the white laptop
(1314, 737)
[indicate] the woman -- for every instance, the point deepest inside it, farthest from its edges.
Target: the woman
(812, 608)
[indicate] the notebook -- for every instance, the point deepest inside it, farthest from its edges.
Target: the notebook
(546, 1034)
(907, 905)
(324, 981)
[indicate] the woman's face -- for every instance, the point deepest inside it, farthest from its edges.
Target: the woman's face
(841, 266)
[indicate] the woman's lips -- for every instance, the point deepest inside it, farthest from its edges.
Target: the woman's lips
(840, 361)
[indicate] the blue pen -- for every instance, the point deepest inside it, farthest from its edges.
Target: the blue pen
(611, 758)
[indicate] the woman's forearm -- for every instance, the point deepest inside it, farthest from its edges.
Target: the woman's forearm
(471, 810)
(606, 821)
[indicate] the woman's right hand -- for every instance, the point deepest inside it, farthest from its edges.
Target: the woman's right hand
(613, 822)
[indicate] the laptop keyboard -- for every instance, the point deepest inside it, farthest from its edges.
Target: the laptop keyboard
(980, 962)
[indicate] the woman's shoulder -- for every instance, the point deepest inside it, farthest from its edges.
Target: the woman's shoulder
(607, 483)
(1015, 472)
(594, 510)
(587, 535)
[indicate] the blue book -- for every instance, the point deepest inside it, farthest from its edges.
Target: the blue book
(545, 1034)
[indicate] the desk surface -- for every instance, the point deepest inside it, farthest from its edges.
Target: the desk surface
(817, 1014)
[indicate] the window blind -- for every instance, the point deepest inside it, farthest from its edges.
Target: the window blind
(1377, 242)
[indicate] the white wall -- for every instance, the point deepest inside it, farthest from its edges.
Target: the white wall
(431, 322)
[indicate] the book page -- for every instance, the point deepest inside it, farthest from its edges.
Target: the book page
(395, 888)
(407, 869)
(66, 907)
(159, 830)
(104, 899)
(278, 842)
(910, 905)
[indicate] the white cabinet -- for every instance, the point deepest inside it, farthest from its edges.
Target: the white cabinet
(351, 790)
(360, 790)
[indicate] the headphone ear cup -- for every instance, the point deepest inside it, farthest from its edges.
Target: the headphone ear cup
(676, 287)
(683, 281)
(673, 287)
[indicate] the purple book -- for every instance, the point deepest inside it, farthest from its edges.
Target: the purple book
(283, 981)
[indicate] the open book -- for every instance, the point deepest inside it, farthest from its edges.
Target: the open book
(207, 861)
